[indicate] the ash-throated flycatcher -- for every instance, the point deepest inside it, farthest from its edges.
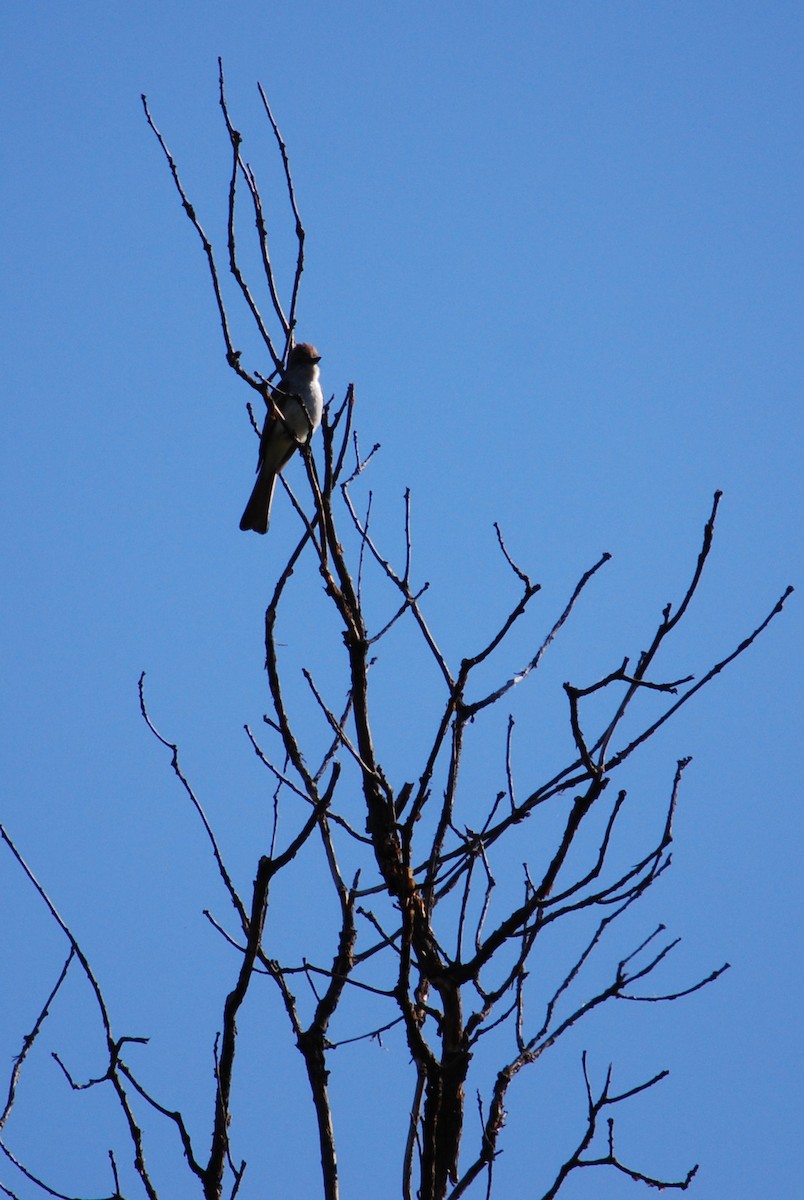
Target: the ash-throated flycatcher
(300, 400)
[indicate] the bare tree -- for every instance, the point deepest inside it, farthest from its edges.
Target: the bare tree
(425, 934)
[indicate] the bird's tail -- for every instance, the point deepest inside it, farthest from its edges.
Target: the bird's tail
(257, 513)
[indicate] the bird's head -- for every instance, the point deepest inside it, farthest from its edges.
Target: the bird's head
(303, 354)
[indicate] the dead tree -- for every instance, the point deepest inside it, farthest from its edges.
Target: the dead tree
(425, 935)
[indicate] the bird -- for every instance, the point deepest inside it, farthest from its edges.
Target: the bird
(300, 400)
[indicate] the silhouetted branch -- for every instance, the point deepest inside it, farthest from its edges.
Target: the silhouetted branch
(174, 762)
(112, 1044)
(232, 355)
(237, 167)
(595, 1107)
(30, 1038)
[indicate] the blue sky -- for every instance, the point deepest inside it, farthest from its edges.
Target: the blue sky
(558, 249)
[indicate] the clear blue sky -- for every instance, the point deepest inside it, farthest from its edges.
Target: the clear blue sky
(558, 248)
